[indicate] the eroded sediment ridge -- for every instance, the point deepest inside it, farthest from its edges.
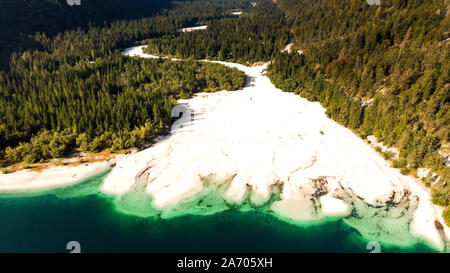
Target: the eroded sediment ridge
(248, 142)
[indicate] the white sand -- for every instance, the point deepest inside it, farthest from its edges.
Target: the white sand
(27, 180)
(189, 29)
(137, 51)
(259, 137)
(374, 143)
(288, 48)
(422, 172)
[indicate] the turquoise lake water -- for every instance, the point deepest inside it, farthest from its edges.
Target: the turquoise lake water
(46, 221)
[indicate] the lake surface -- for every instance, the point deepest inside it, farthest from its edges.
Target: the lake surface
(46, 221)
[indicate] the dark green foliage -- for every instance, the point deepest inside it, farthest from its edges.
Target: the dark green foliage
(441, 190)
(381, 70)
(76, 91)
(257, 35)
(21, 20)
(42, 146)
(117, 102)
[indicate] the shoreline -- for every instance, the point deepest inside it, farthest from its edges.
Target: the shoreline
(51, 177)
(364, 173)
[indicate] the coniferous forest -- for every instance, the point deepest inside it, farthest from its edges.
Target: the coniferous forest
(74, 90)
(124, 102)
(256, 35)
(21, 19)
(379, 70)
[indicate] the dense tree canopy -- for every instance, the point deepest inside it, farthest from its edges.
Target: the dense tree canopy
(22, 19)
(256, 35)
(102, 102)
(381, 70)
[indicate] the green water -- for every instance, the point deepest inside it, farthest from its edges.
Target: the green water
(46, 221)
